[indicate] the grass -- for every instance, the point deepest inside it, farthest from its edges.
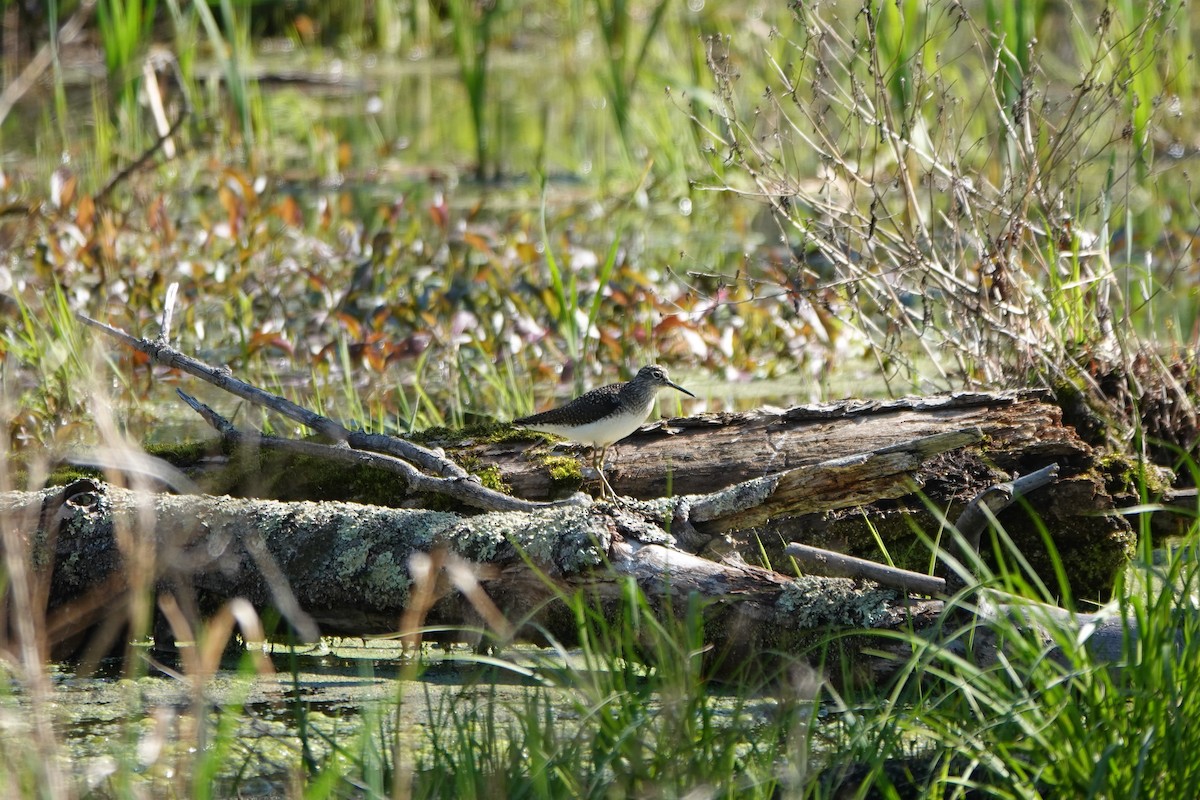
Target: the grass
(961, 196)
(473, 29)
(968, 185)
(627, 39)
(634, 711)
(1047, 717)
(125, 27)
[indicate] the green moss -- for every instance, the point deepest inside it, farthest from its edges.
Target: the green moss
(68, 473)
(1125, 476)
(489, 474)
(184, 454)
(481, 433)
(491, 478)
(566, 473)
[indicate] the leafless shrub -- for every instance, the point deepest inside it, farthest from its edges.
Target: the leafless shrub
(953, 187)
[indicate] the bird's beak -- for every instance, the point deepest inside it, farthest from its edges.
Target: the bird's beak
(680, 388)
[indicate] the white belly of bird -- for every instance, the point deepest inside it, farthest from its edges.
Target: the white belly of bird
(602, 432)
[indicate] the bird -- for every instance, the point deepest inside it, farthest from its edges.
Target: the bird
(605, 415)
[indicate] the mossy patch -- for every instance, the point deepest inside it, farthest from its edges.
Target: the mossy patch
(184, 454)
(566, 473)
(489, 474)
(286, 476)
(1124, 476)
(480, 433)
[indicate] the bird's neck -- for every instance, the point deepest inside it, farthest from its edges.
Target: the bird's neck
(638, 395)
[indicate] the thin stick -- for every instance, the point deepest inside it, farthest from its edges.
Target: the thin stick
(816, 561)
(466, 491)
(166, 355)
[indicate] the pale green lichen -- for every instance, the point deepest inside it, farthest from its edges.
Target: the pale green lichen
(349, 545)
(352, 559)
(662, 509)
(386, 580)
(369, 549)
(816, 602)
(568, 538)
(739, 497)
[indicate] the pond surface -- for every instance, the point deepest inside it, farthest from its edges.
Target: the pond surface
(348, 694)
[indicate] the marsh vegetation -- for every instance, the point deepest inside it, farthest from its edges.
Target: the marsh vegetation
(411, 214)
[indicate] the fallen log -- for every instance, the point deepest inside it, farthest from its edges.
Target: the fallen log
(701, 454)
(804, 474)
(1021, 432)
(347, 569)
(857, 506)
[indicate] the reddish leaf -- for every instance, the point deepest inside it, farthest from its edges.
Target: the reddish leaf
(289, 211)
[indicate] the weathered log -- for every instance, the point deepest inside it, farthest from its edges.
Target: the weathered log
(343, 568)
(1022, 432)
(704, 453)
(876, 497)
(856, 503)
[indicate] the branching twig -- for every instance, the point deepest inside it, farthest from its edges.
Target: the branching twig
(465, 490)
(368, 449)
(429, 460)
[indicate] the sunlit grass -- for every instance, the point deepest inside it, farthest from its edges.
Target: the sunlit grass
(967, 198)
(926, 153)
(1048, 717)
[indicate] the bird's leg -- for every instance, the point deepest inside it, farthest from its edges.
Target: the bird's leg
(605, 487)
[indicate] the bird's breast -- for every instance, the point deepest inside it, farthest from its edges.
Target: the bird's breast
(604, 431)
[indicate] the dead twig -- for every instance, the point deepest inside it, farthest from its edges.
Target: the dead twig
(827, 563)
(425, 459)
(465, 490)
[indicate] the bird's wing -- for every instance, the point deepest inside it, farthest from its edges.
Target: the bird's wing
(596, 403)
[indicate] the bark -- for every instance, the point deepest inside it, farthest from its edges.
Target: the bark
(851, 510)
(348, 569)
(701, 454)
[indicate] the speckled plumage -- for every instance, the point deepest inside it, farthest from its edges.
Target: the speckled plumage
(607, 414)
(588, 407)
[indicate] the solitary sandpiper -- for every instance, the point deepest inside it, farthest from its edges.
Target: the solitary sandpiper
(605, 415)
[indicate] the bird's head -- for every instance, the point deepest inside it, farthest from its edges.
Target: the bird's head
(657, 376)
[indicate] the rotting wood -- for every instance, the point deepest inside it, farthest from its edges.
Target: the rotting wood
(968, 528)
(341, 568)
(701, 454)
(778, 462)
(346, 569)
(853, 480)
